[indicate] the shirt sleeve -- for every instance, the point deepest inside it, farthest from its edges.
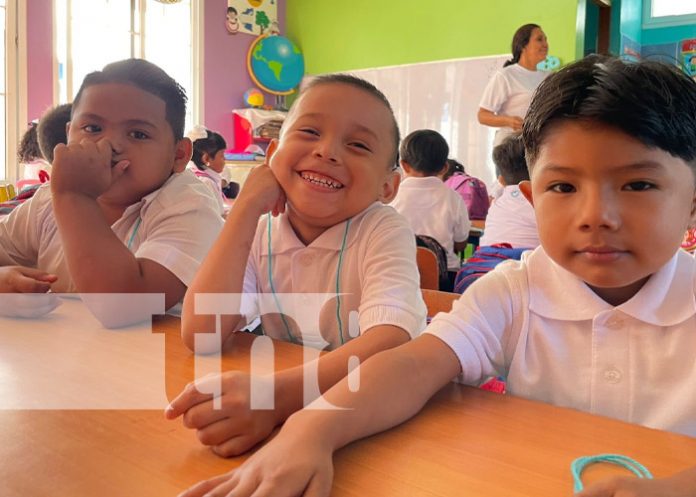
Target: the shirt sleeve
(496, 93)
(179, 235)
(477, 327)
(20, 231)
(390, 281)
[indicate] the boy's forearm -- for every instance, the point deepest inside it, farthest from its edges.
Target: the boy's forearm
(222, 271)
(332, 367)
(98, 261)
(394, 386)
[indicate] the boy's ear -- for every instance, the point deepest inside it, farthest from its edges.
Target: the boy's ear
(526, 189)
(182, 154)
(390, 187)
(692, 224)
(271, 150)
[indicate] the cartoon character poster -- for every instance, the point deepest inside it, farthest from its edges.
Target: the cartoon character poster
(254, 17)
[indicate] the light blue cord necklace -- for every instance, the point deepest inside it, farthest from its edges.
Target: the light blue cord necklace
(135, 230)
(577, 466)
(338, 283)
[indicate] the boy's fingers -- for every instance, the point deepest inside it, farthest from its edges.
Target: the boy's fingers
(236, 445)
(118, 170)
(27, 284)
(200, 489)
(189, 397)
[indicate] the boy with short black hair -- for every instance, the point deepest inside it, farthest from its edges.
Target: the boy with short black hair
(117, 218)
(600, 317)
(430, 206)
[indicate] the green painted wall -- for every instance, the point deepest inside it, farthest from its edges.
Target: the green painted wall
(339, 35)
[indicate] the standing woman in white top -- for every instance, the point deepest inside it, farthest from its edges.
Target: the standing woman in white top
(506, 98)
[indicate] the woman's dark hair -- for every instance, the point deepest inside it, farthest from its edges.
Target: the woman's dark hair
(147, 77)
(425, 151)
(519, 41)
(211, 145)
(651, 101)
(348, 79)
(453, 167)
(29, 145)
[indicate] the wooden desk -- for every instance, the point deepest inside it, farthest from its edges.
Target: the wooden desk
(465, 442)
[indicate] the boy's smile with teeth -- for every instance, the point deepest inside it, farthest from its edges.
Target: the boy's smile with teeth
(320, 180)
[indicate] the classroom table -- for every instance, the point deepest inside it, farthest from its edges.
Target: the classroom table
(465, 442)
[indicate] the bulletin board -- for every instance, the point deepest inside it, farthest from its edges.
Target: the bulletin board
(444, 96)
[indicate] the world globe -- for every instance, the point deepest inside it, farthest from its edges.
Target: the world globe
(275, 64)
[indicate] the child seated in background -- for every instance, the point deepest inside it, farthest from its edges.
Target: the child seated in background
(117, 217)
(472, 190)
(510, 226)
(53, 129)
(600, 317)
(209, 160)
(32, 163)
(311, 221)
(431, 208)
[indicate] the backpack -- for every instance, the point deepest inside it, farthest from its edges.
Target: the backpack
(434, 246)
(474, 193)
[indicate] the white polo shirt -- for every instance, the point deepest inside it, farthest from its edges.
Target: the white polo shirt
(556, 341)
(511, 220)
(509, 93)
(179, 223)
(379, 282)
(434, 209)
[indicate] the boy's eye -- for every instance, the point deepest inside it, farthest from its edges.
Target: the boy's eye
(639, 186)
(309, 131)
(562, 188)
(139, 135)
(360, 145)
(91, 128)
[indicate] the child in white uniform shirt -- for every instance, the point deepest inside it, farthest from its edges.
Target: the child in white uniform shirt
(208, 160)
(117, 218)
(325, 183)
(431, 207)
(600, 318)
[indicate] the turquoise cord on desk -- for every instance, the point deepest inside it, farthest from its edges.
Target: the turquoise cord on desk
(581, 463)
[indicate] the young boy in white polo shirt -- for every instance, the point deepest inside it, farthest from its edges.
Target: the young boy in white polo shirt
(311, 221)
(611, 147)
(117, 217)
(431, 207)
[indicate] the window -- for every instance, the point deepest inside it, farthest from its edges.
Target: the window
(13, 119)
(92, 33)
(663, 13)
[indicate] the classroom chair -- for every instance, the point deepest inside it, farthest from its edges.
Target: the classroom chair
(428, 268)
(436, 301)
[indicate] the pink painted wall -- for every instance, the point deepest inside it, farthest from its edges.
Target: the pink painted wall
(225, 75)
(39, 57)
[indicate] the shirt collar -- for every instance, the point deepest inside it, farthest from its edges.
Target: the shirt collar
(284, 239)
(426, 182)
(665, 300)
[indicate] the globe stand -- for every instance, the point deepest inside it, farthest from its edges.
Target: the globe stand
(280, 103)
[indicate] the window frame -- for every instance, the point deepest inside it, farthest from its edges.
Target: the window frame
(138, 41)
(650, 22)
(15, 80)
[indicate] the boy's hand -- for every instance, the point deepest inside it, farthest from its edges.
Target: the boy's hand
(20, 279)
(23, 292)
(262, 192)
(625, 486)
(85, 168)
(292, 464)
(234, 428)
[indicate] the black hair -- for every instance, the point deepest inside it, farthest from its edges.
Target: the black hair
(211, 145)
(453, 167)
(29, 145)
(651, 101)
(52, 129)
(231, 9)
(425, 151)
(147, 77)
(348, 79)
(509, 160)
(519, 41)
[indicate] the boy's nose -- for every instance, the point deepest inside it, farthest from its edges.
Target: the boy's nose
(599, 210)
(327, 150)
